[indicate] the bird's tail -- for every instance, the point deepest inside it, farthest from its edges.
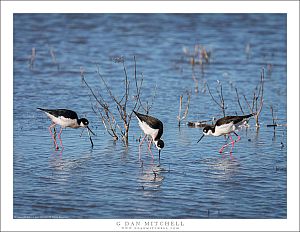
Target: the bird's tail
(40, 109)
(250, 115)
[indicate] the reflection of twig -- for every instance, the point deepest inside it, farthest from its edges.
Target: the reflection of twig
(196, 83)
(195, 80)
(54, 58)
(179, 117)
(32, 58)
(248, 50)
(199, 55)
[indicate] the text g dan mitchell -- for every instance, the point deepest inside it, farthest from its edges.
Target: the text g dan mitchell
(150, 225)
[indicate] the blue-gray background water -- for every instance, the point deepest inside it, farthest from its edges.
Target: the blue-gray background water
(191, 180)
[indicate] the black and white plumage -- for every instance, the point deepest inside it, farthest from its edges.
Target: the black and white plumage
(226, 125)
(65, 118)
(153, 127)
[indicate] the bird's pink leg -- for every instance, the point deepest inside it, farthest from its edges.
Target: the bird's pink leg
(239, 138)
(223, 147)
(232, 143)
(52, 136)
(141, 146)
(149, 148)
(59, 137)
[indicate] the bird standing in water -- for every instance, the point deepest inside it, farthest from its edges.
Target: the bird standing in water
(65, 118)
(226, 125)
(153, 127)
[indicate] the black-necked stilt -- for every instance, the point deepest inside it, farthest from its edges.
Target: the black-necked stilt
(225, 126)
(153, 127)
(65, 118)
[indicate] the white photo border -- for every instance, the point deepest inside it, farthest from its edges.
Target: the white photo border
(8, 8)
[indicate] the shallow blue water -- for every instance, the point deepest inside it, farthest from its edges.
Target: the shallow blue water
(193, 180)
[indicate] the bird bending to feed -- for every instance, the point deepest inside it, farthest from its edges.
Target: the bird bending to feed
(225, 126)
(65, 118)
(153, 127)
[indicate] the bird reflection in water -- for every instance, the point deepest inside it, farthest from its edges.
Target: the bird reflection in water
(151, 178)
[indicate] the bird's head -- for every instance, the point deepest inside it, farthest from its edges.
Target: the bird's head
(83, 122)
(160, 145)
(207, 130)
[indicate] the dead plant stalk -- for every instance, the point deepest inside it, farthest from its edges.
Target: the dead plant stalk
(179, 117)
(106, 111)
(257, 100)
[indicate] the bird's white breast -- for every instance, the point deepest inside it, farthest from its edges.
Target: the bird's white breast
(224, 129)
(63, 122)
(147, 129)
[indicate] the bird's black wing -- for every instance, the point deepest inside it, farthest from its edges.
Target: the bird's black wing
(234, 119)
(61, 112)
(160, 131)
(152, 122)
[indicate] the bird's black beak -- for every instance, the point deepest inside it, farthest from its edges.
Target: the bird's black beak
(90, 131)
(159, 154)
(200, 138)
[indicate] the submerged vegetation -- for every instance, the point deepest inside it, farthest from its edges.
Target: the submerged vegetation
(201, 56)
(115, 112)
(110, 108)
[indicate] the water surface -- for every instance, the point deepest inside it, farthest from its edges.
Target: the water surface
(192, 180)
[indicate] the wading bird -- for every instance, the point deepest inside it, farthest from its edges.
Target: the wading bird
(226, 125)
(153, 127)
(65, 118)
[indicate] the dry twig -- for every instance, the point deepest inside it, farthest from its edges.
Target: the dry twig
(258, 100)
(221, 104)
(238, 98)
(179, 117)
(107, 113)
